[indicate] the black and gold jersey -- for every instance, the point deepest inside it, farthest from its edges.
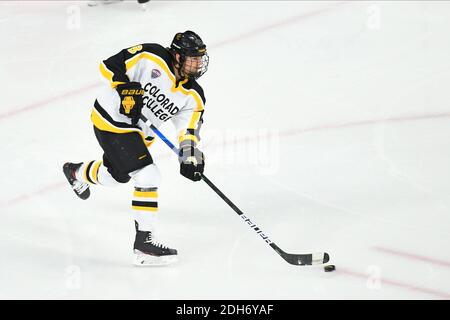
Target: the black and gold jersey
(164, 98)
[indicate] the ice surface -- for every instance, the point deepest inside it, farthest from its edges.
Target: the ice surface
(327, 123)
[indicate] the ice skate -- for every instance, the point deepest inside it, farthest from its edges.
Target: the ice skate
(80, 188)
(149, 252)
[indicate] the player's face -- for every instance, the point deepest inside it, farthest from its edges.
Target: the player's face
(193, 65)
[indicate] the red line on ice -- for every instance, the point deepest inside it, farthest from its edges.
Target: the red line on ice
(297, 131)
(43, 190)
(283, 23)
(366, 122)
(39, 104)
(42, 103)
(413, 256)
(286, 133)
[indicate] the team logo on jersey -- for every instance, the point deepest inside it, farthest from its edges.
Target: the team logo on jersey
(128, 104)
(155, 73)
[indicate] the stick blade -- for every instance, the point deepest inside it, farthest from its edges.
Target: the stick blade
(306, 259)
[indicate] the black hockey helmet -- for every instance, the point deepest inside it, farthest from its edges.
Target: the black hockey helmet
(189, 44)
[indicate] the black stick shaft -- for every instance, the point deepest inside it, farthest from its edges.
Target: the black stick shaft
(296, 259)
(220, 194)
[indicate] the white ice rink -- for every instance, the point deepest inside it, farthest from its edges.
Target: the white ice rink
(328, 123)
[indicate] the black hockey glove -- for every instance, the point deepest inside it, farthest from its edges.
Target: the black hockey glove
(192, 163)
(131, 100)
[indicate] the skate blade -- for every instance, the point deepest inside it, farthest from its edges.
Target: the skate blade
(146, 260)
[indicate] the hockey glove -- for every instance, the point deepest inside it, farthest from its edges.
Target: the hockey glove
(192, 163)
(131, 101)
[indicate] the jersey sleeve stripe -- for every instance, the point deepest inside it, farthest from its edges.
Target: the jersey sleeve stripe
(187, 137)
(108, 75)
(194, 120)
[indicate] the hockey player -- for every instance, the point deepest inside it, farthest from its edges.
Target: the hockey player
(159, 83)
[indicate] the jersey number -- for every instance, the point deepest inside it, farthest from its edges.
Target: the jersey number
(135, 49)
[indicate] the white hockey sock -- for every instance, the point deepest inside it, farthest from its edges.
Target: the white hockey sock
(145, 208)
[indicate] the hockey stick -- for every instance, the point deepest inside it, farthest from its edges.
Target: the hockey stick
(295, 259)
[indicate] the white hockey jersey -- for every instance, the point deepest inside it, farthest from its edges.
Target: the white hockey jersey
(150, 64)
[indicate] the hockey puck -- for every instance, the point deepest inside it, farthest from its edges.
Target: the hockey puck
(329, 268)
